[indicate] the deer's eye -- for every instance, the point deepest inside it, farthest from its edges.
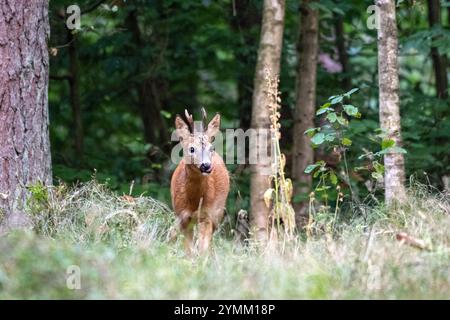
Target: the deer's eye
(192, 150)
(212, 148)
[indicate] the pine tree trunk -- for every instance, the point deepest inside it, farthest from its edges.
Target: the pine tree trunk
(439, 61)
(389, 100)
(25, 146)
(269, 55)
(305, 106)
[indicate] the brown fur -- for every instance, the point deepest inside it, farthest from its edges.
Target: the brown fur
(198, 198)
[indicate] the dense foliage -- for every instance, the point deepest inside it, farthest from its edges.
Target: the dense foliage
(141, 62)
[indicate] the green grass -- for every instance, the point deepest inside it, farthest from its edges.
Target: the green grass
(121, 248)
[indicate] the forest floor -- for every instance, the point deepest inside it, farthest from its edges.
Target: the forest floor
(119, 246)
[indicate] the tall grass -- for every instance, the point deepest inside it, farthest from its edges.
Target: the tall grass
(120, 245)
(91, 213)
(278, 198)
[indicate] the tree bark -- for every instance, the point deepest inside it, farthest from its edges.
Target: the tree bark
(439, 61)
(269, 56)
(305, 106)
(394, 164)
(25, 146)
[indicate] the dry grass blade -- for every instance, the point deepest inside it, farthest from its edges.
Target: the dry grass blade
(405, 238)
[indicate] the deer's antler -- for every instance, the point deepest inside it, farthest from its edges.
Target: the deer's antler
(189, 121)
(204, 119)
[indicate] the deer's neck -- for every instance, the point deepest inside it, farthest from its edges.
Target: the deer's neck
(194, 175)
(196, 183)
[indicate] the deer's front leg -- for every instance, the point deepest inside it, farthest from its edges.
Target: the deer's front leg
(208, 224)
(187, 227)
(205, 232)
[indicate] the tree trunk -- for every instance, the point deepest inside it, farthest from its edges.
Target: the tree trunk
(448, 16)
(245, 18)
(305, 106)
(149, 93)
(439, 61)
(150, 106)
(25, 146)
(75, 103)
(389, 100)
(269, 56)
(342, 51)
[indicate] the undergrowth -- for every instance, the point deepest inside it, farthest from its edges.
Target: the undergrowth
(120, 245)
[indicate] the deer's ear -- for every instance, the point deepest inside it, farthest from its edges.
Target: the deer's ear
(182, 128)
(213, 126)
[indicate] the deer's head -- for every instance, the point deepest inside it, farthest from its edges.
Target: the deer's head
(196, 139)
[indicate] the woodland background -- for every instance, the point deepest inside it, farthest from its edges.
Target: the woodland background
(134, 66)
(114, 87)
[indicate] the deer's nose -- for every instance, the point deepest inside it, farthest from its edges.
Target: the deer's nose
(205, 167)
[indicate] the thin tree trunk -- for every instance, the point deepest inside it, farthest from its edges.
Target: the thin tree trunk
(389, 100)
(244, 19)
(146, 112)
(163, 131)
(25, 147)
(75, 103)
(305, 106)
(150, 104)
(342, 51)
(448, 16)
(439, 61)
(269, 56)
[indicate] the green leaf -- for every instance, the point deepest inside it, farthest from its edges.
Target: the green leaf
(378, 167)
(338, 11)
(398, 150)
(318, 6)
(387, 143)
(346, 142)
(330, 137)
(310, 132)
(318, 138)
(333, 178)
(362, 156)
(377, 175)
(348, 94)
(342, 121)
(332, 117)
(350, 110)
(393, 150)
(311, 168)
(323, 110)
(337, 99)
(166, 114)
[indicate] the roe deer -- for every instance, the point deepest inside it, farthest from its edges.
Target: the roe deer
(200, 184)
